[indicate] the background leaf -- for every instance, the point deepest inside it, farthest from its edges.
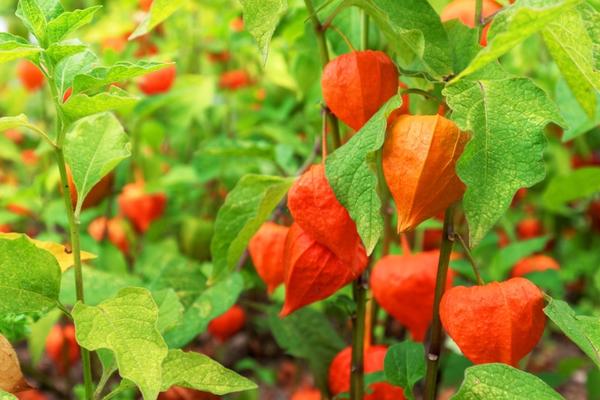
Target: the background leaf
(309, 335)
(246, 207)
(214, 301)
(160, 11)
(562, 189)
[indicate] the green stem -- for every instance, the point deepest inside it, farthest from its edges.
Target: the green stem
(478, 23)
(359, 291)
(74, 225)
(324, 53)
(435, 347)
(470, 258)
(358, 340)
(364, 37)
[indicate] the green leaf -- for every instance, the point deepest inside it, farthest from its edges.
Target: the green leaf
(13, 47)
(213, 302)
(29, 277)
(103, 76)
(307, 334)
(583, 331)
(98, 285)
(464, 43)
(160, 11)
(505, 258)
(19, 121)
(162, 267)
(68, 68)
(352, 173)
(39, 332)
(115, 99)
(246, 207)
(6, 396)
(199, 372)
(563, 189)
(59, 51)
(261, 18)
(571, 47)
(32, 15)
(591, 19)
(414, 31)
(126, 325)
(513, 25)
(404, 365)
(69, 22)
(502, 382)
(578, 122)
(507, 116)
(170, 309)
(94, 146)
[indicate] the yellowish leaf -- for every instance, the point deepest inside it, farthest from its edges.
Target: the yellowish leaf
(59, 251)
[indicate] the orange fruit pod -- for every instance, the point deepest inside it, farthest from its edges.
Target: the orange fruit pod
(98, 193)
(228, 324)
(114, 227)
(318, 212)
(266, 249)
(536, 263)
(374, 356)
(139, 207)
(182, 393)
(419, 158)
(62, 348)
(464, 11)
(235, 80)
(159, 81)
(313, 272)
(405, 286)
(530, 228)
(355, 85)
(307, 394)
(30, 76)
(498, 322)
(31, 394)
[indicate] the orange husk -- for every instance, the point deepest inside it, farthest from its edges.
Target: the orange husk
(355, 85)
(266, 250)
(494, 323)
(419, 158)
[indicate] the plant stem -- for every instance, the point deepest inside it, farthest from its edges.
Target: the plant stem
(470, 258)
(359, 292)
(324, 52)
(364, 37)
(478, 23)
(433, 356)
(74, 224)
